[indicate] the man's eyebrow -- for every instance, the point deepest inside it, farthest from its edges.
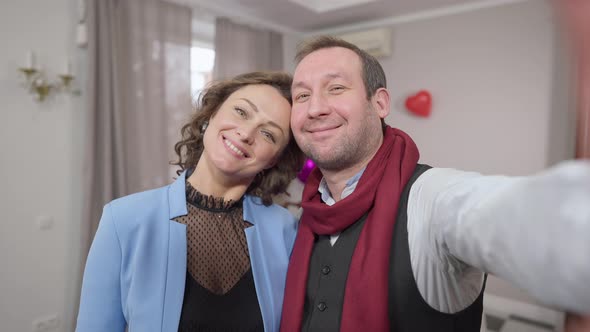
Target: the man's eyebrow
(327, 77)
(272, 123)
(298, 85)
(334, 75)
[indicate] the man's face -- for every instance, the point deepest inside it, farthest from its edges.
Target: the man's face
(332, 120)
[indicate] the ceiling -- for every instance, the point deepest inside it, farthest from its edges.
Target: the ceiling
(289, 16)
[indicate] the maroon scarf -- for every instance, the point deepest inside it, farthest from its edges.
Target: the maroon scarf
(378, 192)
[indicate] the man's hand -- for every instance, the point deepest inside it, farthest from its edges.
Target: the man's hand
(575, 323)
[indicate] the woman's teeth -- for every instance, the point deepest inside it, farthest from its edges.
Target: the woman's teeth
(233, 147)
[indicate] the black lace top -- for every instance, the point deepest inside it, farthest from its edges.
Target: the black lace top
(219, 292)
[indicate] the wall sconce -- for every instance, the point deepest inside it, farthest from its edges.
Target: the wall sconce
(38, 85)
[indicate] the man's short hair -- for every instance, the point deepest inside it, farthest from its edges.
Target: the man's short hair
(372, 72)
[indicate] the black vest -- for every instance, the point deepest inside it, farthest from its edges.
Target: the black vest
(408, 311)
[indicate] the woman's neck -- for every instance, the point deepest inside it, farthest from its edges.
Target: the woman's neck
(212, 182)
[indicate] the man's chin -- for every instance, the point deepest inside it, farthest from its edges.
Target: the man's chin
(331, 161)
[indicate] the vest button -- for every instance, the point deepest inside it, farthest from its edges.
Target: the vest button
(322, 306)
(326, 269)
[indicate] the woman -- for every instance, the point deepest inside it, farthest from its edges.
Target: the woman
(210, 251)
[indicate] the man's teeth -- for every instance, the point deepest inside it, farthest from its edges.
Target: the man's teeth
(233, 147)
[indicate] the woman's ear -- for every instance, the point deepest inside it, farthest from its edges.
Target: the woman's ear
(272, 163)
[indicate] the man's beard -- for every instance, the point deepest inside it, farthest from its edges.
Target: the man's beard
(348, 151)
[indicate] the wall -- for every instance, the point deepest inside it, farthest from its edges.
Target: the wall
(491, 74)
(500, 84)
(290, 42)
(496, 75)
(499, 80)
(40, 169)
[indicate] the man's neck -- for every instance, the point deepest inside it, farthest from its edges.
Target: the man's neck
(336, 180)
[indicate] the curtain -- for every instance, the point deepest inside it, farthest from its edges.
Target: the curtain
(575, 14)
(138, 94)
(240, 48)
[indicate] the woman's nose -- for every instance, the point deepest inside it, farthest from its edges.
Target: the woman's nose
(246, 134)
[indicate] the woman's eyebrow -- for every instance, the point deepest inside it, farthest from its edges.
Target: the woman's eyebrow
(272, 123)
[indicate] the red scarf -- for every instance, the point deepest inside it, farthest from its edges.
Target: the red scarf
(378, 192)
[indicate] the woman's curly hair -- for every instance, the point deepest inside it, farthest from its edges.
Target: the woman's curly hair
(267, 183)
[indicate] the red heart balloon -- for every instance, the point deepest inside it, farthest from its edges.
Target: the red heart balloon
(420, 104)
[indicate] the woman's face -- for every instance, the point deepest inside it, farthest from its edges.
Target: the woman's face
(247, 133)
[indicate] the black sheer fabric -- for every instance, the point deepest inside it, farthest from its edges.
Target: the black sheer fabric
(236, 311)
(219, 292)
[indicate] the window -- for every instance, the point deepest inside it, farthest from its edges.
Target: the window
(202, 59)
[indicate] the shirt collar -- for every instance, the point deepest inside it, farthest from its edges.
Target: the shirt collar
(348, 189)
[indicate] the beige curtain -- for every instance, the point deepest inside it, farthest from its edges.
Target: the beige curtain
(138, 93)
(581, 20)
(240, 48)
(576, 17)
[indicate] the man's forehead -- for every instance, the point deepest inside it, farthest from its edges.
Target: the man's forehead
(314, 76)
(327, 56)
(334, 60)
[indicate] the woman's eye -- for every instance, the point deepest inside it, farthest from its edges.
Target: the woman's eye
(337, 88)
(269, 136)
(240, 112)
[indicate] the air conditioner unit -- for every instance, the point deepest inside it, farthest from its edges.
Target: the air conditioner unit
(376, 42)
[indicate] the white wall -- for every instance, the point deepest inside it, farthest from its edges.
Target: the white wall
(40, 147)
(500, 83)
(491, 74)
(290, 42)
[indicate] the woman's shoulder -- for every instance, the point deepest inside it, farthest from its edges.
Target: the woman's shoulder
(138, 207)
(139, 199)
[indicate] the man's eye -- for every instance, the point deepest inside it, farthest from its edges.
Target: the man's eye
(302, 97)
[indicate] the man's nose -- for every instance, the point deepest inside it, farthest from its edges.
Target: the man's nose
(318, 106)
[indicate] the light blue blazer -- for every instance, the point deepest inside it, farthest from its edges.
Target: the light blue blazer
(136, 268)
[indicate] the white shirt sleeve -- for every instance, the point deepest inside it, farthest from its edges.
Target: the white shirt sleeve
(532, 231)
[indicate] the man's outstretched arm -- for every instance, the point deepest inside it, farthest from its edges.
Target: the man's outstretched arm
(532, 231)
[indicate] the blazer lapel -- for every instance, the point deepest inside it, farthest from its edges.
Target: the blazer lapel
(261, 280)
(176, 277)
(265, 265)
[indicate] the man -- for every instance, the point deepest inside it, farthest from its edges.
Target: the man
(387, 244)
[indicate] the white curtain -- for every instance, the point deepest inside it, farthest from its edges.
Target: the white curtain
(241, 48)
(139, 94)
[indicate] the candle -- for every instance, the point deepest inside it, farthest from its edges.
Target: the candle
(30, 60)
(68, 67)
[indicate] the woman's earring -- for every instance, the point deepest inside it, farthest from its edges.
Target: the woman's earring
(260, 175)
(204, 126)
